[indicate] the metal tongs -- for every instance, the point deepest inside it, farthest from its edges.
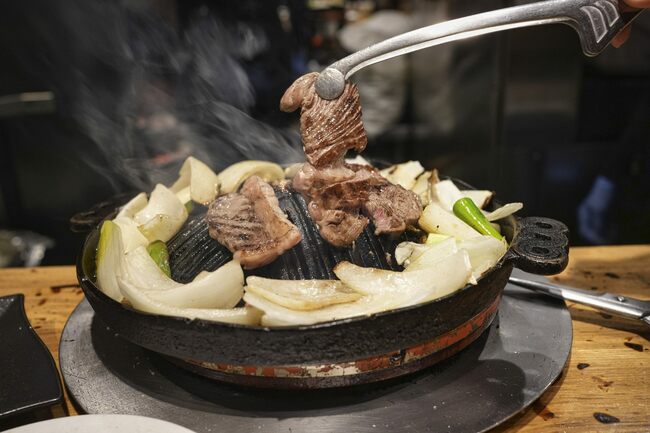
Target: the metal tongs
(609, 302)
(596, 21)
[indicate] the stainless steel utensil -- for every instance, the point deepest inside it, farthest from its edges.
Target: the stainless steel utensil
(609, 302)
(596, 21)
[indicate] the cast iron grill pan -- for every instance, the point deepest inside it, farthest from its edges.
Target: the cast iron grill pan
(537, 245)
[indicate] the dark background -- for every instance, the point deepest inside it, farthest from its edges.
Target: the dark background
(138, 85)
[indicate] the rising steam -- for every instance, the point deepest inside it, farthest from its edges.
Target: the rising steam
(148, 95)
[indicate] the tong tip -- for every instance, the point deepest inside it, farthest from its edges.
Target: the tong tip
(330, 84)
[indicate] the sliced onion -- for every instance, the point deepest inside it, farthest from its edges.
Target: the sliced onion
(234, 176)
(421, 187)
(301, 294)
(484, 252)
(384, 290)
(184, 195)
(222, 288)
(135, 205)
(201, 180)
(143, 302)
(431, 255)
(435, 219)
(504, 211)
(277, 315)
(403, 174)
(141, 270)
(163, 216)
(131, 236)
(480, 197)
(446, 193)
(405, 250)
(408, 288)
(108, 259)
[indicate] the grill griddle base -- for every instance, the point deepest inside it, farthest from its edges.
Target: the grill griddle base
(504, 371)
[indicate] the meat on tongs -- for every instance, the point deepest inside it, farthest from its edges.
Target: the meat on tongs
(342, 197)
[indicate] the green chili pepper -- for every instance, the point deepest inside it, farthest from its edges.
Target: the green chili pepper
(158, 252)
(466, 210)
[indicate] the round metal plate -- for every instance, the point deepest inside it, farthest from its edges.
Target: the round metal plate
(503, 372)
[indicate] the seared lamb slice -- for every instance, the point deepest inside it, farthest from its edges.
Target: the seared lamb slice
(339, 227)
(328, 128)
(310, 180)
(392, 208)
(350, 193)
(251, 224)
(338, 193)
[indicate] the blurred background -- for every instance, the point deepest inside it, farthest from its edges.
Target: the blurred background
(99, 98)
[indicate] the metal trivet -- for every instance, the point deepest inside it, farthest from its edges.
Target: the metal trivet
(500, 374)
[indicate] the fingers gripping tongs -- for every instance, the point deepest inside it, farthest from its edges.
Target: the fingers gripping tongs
(596, 21)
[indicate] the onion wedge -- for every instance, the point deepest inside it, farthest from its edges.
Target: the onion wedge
(203, 183)
(405, 250)
(301, 294)
(184, 195)
(435, 219)
(445, 193)
(451, 273)
(484, 252)
(430, 256)
(421, 187)
(234, 176)
(222, 288)
(143, 302)
(163, 216)
(132, 238)
(480, 197)
(504, 211)
(404, 174)
(278, 315)
(135, 205)
(108, 259)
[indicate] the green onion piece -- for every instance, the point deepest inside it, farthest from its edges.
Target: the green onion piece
(466, 210)
(158, 252)
(189, 206)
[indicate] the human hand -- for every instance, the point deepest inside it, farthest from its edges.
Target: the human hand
(625, 34)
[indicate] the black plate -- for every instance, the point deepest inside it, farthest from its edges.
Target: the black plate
(28, 376)
(503, 372)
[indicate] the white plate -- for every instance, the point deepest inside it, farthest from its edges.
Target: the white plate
(102, 424)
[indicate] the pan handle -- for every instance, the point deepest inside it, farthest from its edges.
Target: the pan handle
(540, 246)
(85, 221)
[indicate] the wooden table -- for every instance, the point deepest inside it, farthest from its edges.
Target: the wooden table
(608, 371)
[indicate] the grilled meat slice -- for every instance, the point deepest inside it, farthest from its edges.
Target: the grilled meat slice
(309, 180)
(335, 197)
(338, 194)
(251, 224)
(392, 208)
(328, 128)
(339, 227)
